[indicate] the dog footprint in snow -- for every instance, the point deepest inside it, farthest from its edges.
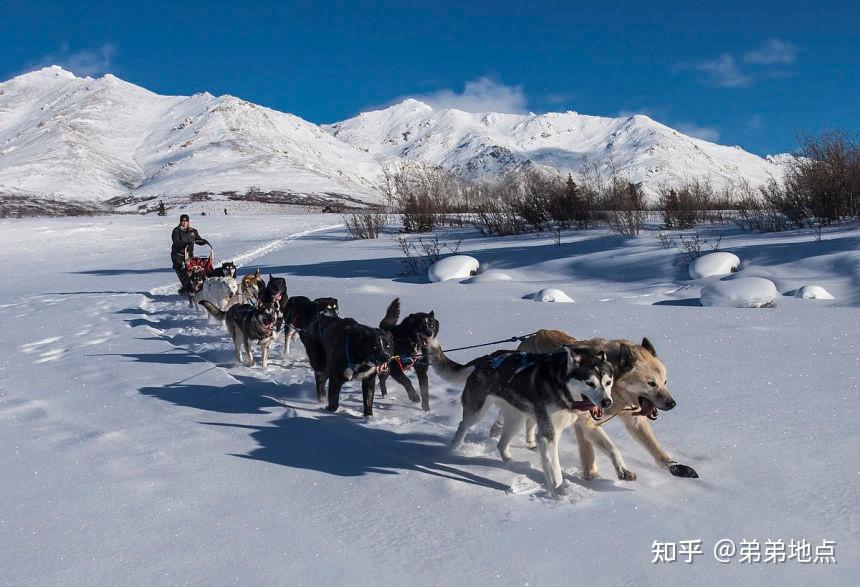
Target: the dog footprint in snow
(523, 485)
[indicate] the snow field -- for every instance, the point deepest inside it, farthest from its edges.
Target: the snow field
(139, 451)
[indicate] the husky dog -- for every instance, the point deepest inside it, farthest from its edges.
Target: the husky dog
(227, 269)
(411, 338)
(341, 349)
(272, 299)
(548, 387)
(299, 311)
(223, 292)
(192, 283)
(246, 324)
(638, 394)
(251, 286)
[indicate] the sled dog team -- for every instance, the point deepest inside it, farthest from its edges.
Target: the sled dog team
(551, 382)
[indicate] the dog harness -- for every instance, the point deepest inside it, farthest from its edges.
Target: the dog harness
(381, 368)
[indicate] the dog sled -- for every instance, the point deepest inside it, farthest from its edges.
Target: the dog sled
(204, 264)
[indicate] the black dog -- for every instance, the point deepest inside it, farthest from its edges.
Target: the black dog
(411, 338)
(341, 349)
(299, 312)
(227, 269)
(273, 298)
(192, 283)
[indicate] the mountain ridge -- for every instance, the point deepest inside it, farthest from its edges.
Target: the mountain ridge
(105, 139)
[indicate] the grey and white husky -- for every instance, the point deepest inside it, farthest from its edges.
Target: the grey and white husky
(246, 324)
(547, 387)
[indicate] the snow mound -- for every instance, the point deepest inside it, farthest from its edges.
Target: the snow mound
(744, 292)
(714, 264)
(489, 276)
(550, 294)
(454, 267)
(813, 292)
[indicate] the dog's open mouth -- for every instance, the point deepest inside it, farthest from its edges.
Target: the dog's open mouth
(646, 408)
(587, 406)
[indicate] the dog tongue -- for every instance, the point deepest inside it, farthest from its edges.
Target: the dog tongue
(647, 409)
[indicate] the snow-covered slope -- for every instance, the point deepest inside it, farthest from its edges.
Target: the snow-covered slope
(96, 139)
(485, 144)
(86, 139)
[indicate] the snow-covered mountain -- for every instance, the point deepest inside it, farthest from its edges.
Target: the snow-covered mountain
(95, 139)
(490, 143)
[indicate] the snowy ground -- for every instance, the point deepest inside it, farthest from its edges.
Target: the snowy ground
(135, 450)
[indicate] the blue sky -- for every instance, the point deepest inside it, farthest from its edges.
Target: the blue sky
(739, 73)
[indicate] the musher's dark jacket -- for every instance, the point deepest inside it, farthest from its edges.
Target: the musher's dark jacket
(184, 240)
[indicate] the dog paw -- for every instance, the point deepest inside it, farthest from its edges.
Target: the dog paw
(425, 407)
(626, 475)
(679, 470)
(331, 408)
(593, 474)
(560, 491)
(531, 445)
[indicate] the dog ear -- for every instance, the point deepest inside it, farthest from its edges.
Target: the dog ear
(627, 359)
(573, 357)
(432, 314)
(646, 344)
(567, 361)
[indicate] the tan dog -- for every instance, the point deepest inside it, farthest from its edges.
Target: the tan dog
(638, 395)
(251, 287)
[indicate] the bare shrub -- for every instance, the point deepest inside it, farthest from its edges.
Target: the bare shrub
(692, 244)
(424, 194)
(823, 179)
(821, 185)
(626, 203)
(418, 258)
(666, 241)
(365, 225)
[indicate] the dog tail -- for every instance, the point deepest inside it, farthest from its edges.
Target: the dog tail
(447, 369)
(213, 310)
(392, 314)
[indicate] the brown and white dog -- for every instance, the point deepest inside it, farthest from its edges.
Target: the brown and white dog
(638, 395)
(251, 286)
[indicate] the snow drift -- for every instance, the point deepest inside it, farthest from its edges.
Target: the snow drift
(712, 264)
(743, 292)
(453, 267)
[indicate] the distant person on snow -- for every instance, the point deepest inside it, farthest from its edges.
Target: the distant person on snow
(184, 238)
